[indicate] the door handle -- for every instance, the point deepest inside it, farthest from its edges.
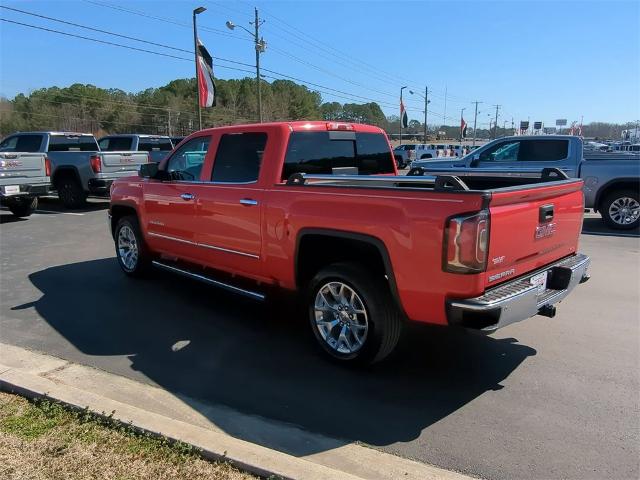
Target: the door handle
(248, 202)
(187, 196)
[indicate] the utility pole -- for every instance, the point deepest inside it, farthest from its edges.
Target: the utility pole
(495, 128)
(401, 113)
(169, 123)
(259, 45)
(513, 130)
(461, 120)
(475, 120)
(444, 115)
(197, 11)
(426, 107)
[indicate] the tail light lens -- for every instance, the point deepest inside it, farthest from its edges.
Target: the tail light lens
(339, 126)
(96, 164)
(47, 167)
(466, 243)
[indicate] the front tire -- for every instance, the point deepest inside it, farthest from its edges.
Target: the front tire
(352, 315)
(23, 206)
(132, 252)
(621, 210)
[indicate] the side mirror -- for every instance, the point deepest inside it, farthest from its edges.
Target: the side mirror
(475, 160)
(148, 170)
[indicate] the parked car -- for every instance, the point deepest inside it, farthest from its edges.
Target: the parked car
(23, 178)
(78, 167)
(157, 146)
(611, 182)
(253, 208)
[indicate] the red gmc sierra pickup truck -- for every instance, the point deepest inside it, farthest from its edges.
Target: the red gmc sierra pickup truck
(318, 208)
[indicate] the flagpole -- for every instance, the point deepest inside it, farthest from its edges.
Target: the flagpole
(195, 51)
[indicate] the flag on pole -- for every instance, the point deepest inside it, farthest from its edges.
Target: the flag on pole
(463, 128)
(206, 82)
(404, 118)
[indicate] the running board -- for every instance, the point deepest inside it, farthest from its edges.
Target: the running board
(210, 281)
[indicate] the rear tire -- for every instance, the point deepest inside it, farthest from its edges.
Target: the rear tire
(23, 206)
(133, 255)
(352, 315)
(621, 209)
(71, 192)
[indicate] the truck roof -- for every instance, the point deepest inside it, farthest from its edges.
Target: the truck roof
(141, 135)
(75, 134)
(306, 126)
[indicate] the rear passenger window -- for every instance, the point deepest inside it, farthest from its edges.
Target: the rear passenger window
(543, 150)
(22, 143)
(72, 143)
(186, 163)
(239, 157)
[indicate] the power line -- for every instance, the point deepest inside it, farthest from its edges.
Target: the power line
(334, 92)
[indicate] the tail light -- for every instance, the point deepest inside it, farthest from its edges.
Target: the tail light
(466, 243)
(148, 157)
(47, 167)
(96, 164)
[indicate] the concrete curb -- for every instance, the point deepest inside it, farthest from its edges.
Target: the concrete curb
(254, 444)
(215, 446)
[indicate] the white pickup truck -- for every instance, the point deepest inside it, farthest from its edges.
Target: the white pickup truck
(78, 167)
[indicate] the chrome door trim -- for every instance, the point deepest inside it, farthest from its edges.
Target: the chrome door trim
(203, 245)
(248, 201)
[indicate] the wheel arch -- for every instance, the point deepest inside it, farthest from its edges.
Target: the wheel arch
(119, 210)
(317, 247)
(612, 185)
(65, 171)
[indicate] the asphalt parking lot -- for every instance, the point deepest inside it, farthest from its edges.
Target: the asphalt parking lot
(546, 398)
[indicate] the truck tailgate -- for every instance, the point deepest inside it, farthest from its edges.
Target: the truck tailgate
(122, 161)
(532, 227)
(21, 166)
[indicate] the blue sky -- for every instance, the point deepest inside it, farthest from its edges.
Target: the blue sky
(539, 60)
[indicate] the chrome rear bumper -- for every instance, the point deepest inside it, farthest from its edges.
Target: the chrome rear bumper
(517, 300)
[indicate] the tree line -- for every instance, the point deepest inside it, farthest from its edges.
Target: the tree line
(170, 110)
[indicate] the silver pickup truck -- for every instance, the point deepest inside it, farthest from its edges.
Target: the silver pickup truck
(23, 178)
(78, 167)
(611, 181)
(157, 146)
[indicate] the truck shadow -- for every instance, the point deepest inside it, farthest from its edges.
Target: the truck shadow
(595, 226)
(260, 361)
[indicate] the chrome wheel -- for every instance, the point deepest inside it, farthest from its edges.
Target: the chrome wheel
(127, 247)
(341, 317)
(624, 210)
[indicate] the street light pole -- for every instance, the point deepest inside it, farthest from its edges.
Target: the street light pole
(461, 120)
(401, 105)
(197, 11)
(475, 120)
(426, 109)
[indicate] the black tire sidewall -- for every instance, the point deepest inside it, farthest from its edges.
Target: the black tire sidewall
(612, 197)
(372, 293)
(71, 193)
(23, 207)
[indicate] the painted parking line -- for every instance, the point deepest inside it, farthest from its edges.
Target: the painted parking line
(5, 209)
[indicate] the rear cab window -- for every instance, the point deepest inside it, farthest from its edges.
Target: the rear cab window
(22, 143)
(115, 144)
(72, 143)
(155, 145)
(326, 153)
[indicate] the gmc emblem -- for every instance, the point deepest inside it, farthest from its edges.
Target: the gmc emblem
(547, 230)
(10, 163)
